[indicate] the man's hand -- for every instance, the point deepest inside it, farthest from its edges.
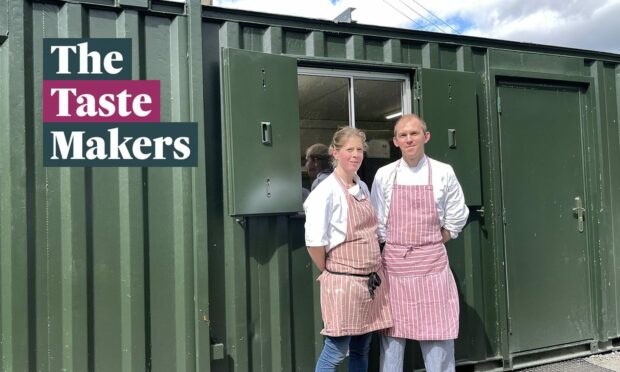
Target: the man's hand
(445, 235)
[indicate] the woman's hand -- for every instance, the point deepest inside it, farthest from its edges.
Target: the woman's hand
(317, 254)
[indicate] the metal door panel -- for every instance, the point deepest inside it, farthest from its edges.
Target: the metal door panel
(546, 254)
(449, 108)
(261, 132)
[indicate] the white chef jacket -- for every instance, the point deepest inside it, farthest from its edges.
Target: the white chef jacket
(326, 212)
(447, 191)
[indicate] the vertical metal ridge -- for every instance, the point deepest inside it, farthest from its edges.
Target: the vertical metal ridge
(230, 35)
(30, 129)
(72, 245)
(464, 58)
(14, 245)
(355, 47)
(198, 200)
(272, 40)
(90, 270)
(315, 44)
(430, 55)
(178, 58)
(392, 51)
(146, 233)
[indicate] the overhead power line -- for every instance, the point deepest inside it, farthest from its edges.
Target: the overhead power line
(439, 18)
(416, 22)
(422, 16)
(421, 26)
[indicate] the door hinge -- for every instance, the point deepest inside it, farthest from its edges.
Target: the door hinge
(417, 91)
(504, 219)
(509, 325)
(499, 105)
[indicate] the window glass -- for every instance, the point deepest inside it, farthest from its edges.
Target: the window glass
(371, 103)
(378, 104)
(323, 108)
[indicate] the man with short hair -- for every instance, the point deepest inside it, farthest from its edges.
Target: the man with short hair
(420, 206)
(318, 163)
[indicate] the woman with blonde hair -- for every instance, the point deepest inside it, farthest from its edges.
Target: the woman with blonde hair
(341, 236)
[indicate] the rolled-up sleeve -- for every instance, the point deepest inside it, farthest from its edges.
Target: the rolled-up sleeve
(317, 208)
(455, 209)
(377, 197)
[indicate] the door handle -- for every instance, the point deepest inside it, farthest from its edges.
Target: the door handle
(579, 211)
(452, 138)
(481, 211)
(265, 133)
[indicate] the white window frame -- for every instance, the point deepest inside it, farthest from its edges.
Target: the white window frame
(366, 75)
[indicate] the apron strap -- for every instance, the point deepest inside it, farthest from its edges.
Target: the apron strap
(374, 280)
(430, 183)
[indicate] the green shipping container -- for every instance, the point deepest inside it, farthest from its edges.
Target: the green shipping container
(205, 268)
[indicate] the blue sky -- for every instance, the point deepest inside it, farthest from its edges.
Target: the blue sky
(591, 24)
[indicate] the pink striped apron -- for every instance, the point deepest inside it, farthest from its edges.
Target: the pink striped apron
(346, 304)
(423, 295)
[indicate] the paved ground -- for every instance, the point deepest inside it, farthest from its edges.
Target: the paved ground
(611, 361)
(607, 362)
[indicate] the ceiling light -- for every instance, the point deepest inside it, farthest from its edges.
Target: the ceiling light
(394, 115)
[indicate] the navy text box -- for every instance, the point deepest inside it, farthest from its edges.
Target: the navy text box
(56, 49)
(120, 144)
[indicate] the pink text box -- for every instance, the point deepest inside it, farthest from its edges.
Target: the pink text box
(101, 101)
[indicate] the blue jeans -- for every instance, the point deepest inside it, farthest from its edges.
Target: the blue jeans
(335, 350)
(438, 355)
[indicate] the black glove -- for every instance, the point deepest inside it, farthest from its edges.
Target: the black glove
(373, 282)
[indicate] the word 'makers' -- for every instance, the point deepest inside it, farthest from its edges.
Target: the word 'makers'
(130, 144)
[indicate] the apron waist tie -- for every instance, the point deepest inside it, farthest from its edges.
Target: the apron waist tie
(409, 250)
(373, 280)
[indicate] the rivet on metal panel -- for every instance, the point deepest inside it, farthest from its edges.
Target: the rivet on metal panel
(241, 221)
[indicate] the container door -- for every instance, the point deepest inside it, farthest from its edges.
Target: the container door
(549, 299)
(448, 104)
(261, 133)
(449, 108)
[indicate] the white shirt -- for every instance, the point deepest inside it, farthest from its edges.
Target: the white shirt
(447, 191)
(326, 212)
(320, 177)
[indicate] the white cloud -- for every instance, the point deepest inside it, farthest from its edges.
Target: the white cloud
(310, 9)
(592, 24)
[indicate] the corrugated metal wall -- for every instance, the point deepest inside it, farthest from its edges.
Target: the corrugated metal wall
(478, 257)
(99, 266)
(142, 269)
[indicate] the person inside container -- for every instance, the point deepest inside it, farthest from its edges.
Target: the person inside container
(318, 163)
(420, 206)
(341, 237)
